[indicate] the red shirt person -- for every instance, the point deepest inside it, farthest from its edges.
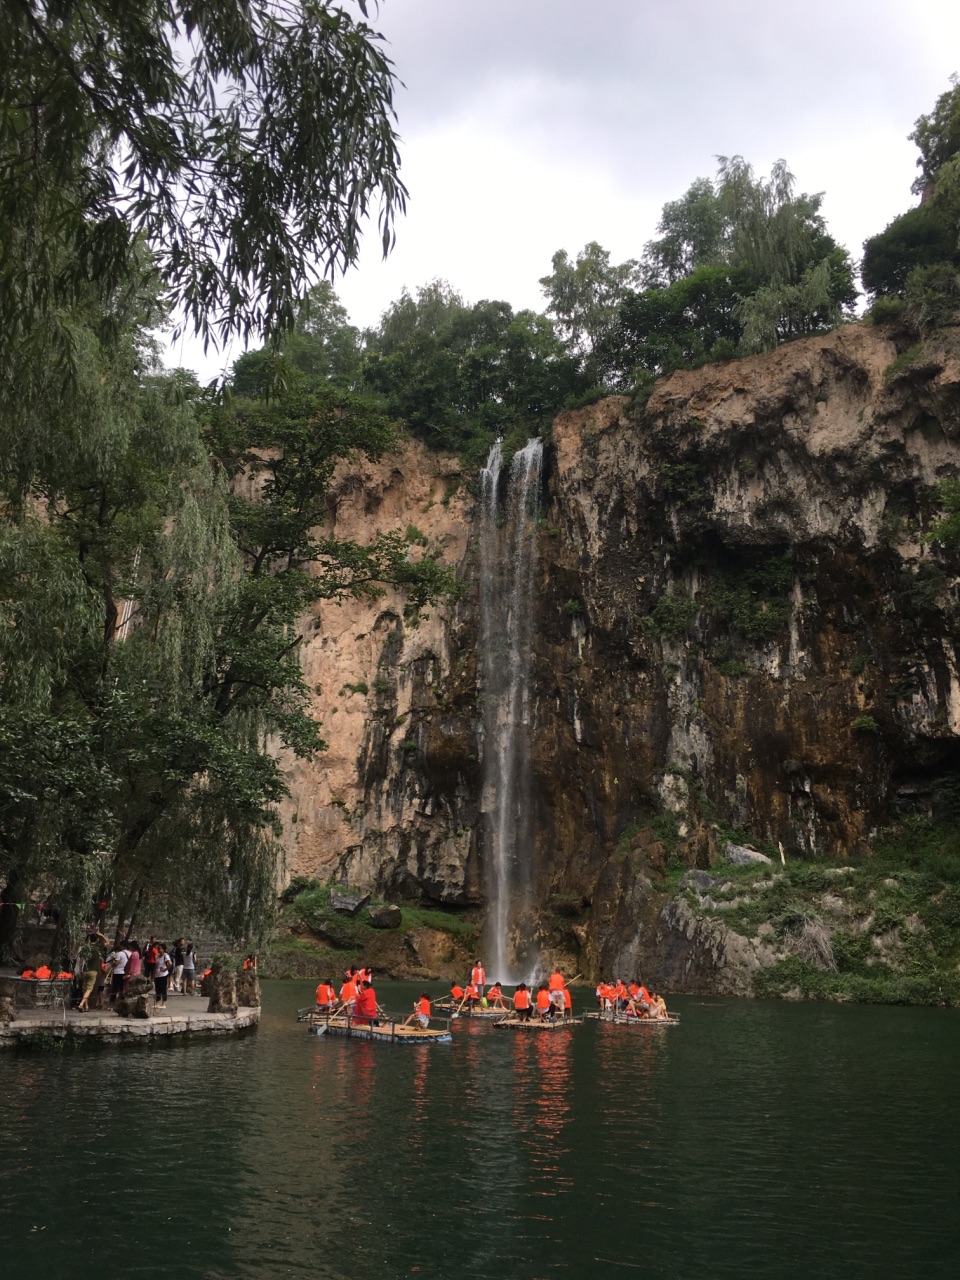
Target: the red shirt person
(365, 1005)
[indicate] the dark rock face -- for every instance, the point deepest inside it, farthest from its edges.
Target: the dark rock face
(222, 988)
(348, 904)
(386, 917)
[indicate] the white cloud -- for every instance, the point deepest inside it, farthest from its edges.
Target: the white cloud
(534, 125)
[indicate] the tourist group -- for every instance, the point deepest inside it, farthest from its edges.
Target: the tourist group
(549, 1002)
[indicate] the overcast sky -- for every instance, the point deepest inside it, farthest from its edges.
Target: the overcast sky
(529, 126)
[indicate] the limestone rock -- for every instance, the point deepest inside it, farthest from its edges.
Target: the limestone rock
(386, 917)
(223, 990)
(699, 879)
(138, 1000)
(348, 904)
(8, 1010)
(248, 989)
(741, 856)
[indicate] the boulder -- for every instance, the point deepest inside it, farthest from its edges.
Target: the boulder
(138, 1000)
(248, 989)
(8, 1010)
(348, 904)
(386, 917)
(700, 879)
(741, 856)
(222, 986)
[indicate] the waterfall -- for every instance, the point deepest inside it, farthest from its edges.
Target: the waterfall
(507, 549)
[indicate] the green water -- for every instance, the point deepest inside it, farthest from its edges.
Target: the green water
(756, 1139)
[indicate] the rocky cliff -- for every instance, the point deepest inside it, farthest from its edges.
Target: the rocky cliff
(741, 633)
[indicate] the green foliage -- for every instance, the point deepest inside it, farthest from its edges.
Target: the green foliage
(751, 597)
(672, 616)
(937, 136)
(584, 297)
(946, 530)
(458, 377)
(859, 663)
(919, 238)
(905, 360)
(932, 296)
(865, 724)
(574, 608)
(886, 310)
(245, 144)
(360, 687)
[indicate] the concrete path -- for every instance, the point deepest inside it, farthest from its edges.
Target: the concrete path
(184, 1015)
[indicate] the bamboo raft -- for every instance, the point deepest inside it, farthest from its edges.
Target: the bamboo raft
(621, 1020)
(534, 1024)
(387, 1031)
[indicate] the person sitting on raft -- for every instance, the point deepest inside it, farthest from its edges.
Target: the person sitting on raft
(544, 1004)
(522, 1006)
(658, 1007)
(365, 1006)
(421, 1012)
(456, 994)
(639, 1005)
(495, 998)
(326, 996)
(471, 997)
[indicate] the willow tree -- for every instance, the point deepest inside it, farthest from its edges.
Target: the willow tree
(207, 161)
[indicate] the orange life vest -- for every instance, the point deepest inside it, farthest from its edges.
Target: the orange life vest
(477, 975)
(556, 981)
(456, 991)
(423, 1007)
(521, 999)
(325, 993)
(44, 972)
(543, 999)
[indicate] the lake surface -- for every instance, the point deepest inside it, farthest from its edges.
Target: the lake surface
(756, 1139)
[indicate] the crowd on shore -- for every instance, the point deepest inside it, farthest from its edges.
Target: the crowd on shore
(103, 968)
(551, 1000)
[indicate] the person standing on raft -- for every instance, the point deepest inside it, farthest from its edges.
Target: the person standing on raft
(478, 978)
(556, 987)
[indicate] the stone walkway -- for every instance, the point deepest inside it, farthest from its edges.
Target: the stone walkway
(183, 1015)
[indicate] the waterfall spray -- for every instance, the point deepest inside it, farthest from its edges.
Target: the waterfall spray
(507, 573)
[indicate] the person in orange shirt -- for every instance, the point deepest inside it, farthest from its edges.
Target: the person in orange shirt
(478, 978)
(365, 1005)
(495, 996)
(544, 1003)
(456, 993)
(348, 995)
(326, 996)
(567, 1003)
(471, 997)
(621, 995)
(640, 1004)
(556, 986)
(421, 1012)
(521, 1003)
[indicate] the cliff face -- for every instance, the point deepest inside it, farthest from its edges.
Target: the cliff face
(738, 626)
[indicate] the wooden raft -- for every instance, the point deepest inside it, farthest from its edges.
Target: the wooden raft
(515, 1024)
(386, 1032)
(621, 1020)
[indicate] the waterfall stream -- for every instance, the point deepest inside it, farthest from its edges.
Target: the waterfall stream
(508, 546)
